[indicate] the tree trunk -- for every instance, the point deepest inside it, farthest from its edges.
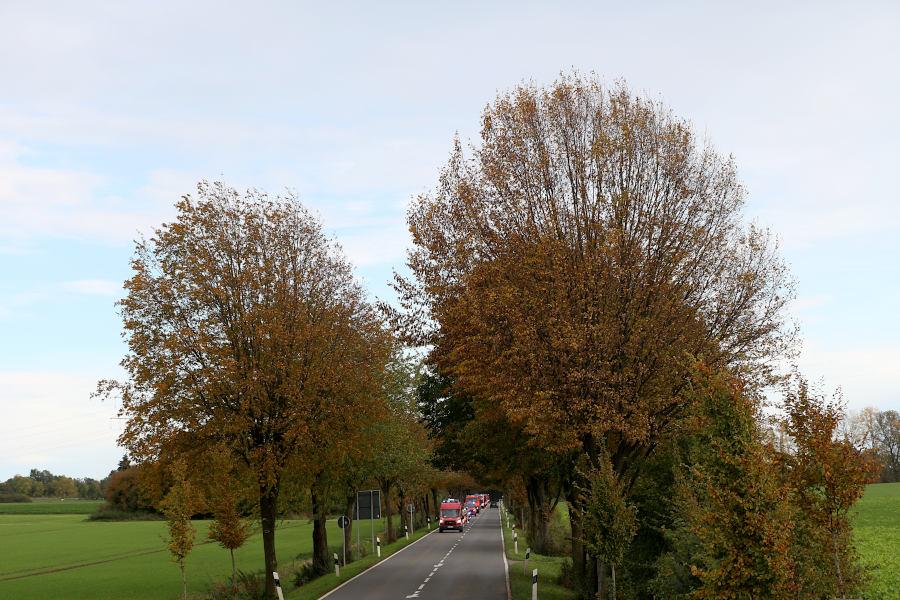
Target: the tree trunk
(350, 511)
(837, 562)
(583, 566)
(268, 509)
(612, 568)
(233, 575)
(321, 561)
(183, 580)
(602, 591)
(385, 492)
(538, 514)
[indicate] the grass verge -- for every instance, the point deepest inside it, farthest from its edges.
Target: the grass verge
(548, 568)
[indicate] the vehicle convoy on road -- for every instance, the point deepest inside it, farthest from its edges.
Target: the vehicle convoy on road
(438, 566)
(473, 503)
(452, 516)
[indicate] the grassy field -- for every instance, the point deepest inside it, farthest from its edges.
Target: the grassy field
(67, 556)
(876, 526)
(49, 506)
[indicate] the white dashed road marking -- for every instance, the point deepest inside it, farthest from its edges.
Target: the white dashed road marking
(415, 594)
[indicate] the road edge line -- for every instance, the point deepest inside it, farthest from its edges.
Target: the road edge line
(505, 563)
(381, 562)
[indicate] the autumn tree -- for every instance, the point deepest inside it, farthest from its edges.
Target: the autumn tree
(608, 519)
(179, 505)
(732, 499)
(571, 267)
(129, 490)
(246, 330)
(460, 423)
(229, 528)
(400, 442)
(827, 474)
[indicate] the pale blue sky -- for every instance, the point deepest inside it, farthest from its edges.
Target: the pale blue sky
(110, 111)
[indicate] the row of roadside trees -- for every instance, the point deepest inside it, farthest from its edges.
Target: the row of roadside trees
(260, 376)
(594, 303)
(601, 328)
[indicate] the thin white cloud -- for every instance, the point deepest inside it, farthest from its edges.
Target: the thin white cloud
(41, 202)
(94, 287)
(809, 303)
(868, 376)
(50, 421)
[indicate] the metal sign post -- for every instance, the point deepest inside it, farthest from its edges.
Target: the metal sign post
(368, 506)
(343, 522)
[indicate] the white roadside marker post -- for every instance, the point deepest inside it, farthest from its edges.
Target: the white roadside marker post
(516, 542)
(534, 585)
(337, 565)
(527, 556)
(277, 585)
(406, 531)
(378, 546)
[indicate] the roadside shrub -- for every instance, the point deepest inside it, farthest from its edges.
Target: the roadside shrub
(105, 513)
(362, 550)
(250, 586)
(305, 574)
(566, 577)
(569, 579)
(14, 497)
(558, 535)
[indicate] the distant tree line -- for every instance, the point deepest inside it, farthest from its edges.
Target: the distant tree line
(44, 484)
(880, 432)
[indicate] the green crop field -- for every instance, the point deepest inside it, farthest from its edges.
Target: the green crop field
(51, 507)
(67, 556)
(876, 526)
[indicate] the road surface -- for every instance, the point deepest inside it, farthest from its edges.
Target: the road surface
(445, 566)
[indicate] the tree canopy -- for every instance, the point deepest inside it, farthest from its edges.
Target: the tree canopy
(246, 330)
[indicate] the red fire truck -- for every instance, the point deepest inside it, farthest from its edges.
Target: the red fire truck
(473, 503)
(451, 516)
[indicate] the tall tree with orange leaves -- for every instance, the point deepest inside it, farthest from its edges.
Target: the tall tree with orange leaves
(246, 331)
(827, 474)
(571, 268)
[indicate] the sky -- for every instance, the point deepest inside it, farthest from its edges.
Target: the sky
(109, 112)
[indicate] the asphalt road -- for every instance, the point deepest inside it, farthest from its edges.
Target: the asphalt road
(445, 566)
